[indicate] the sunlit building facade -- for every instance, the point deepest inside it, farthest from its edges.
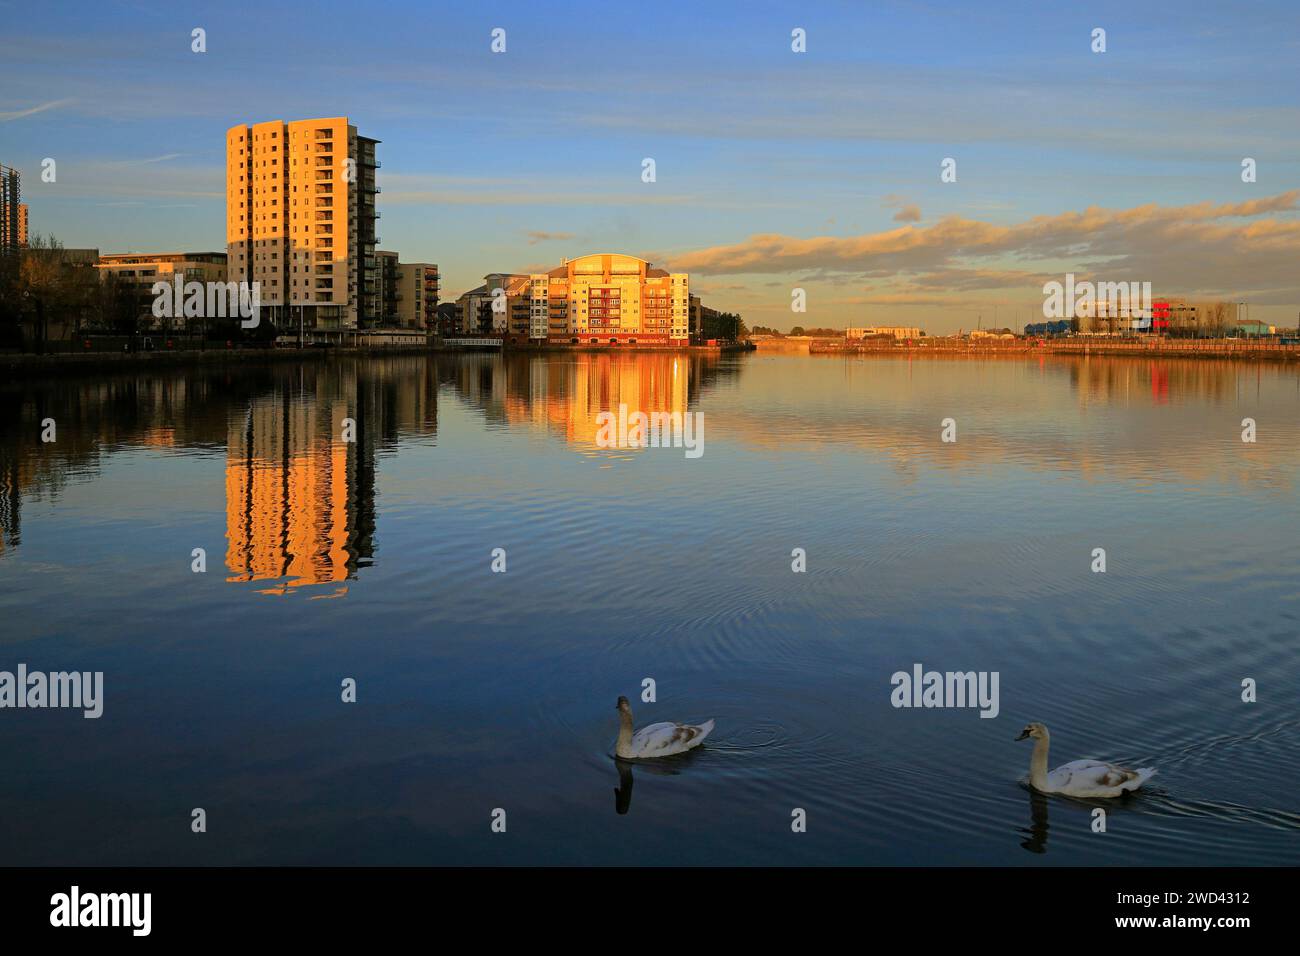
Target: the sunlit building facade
(300, 220)
(609, 299)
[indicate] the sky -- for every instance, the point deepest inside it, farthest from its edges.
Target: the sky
(774, 170)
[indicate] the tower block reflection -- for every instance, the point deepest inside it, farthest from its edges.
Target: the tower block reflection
(299, 500)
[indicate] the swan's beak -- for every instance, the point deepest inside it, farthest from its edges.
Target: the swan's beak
(1023, 735)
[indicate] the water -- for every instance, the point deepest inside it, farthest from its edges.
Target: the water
(479, 691)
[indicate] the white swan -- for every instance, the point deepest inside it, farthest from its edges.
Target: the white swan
(656, 740)
(1079, 778)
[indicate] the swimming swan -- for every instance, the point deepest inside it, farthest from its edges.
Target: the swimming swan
(656, 740)
(1079, 778)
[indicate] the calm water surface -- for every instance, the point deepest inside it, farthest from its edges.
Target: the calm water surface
(476, 690)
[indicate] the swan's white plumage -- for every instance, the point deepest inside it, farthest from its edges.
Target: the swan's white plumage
(656, 740)
(1094, 778)
(667, 738)
(1079, 778)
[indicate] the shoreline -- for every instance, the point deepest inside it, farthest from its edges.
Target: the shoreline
(20, 364)
(1193, 349)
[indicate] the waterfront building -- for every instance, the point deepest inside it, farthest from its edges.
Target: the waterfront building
(386, 289)
(417, 298)
(599, 299)
(1168, 315)
(476, 314)
(141, 270)
(407, 293)
(610, 299)
(896, 331)
(300, 221)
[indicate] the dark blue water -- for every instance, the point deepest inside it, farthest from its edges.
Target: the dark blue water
(372, 560)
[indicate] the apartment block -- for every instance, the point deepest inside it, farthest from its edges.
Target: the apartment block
(387, 292)
(13, 231)
(300, 221)
(606, 298)
(417, 303)
(142, 270)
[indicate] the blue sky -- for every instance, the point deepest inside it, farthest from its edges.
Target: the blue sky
(495, 162)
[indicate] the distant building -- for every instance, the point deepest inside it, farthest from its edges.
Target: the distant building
(386, 292)
(609, 298)
(142, 270)
(417, 305)
(448, 319)
(300, 220)
(13, 233)
(599, 299)
(896, 331)
(23, 231)
(1253, 328)
(476, 312)
(702, 319)
(1170, 315)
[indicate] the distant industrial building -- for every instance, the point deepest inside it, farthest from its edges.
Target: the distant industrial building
(1168, 315)
(895, 331)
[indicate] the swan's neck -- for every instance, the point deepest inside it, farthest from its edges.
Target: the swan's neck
(624, 746)
(1038, 763)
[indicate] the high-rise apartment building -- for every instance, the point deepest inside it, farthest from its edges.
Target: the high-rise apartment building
(300, 221)
(13, 232)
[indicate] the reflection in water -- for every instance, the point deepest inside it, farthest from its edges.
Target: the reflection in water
(623, 792)
(564, 393)
(975, 553)
(299, 500)
(1036, 834)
